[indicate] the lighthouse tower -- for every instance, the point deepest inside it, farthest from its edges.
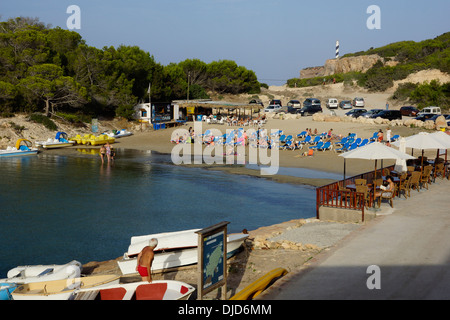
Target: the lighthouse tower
(337, 49)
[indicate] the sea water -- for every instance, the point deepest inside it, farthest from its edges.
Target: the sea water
(60, 206)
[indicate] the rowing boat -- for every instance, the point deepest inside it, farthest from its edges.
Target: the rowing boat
(39, 273)
(61, 289)
(180, 254)
(157, 290)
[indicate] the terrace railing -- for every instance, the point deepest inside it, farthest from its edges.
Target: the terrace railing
(334, 195)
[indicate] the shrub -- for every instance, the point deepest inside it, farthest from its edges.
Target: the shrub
(40, 118)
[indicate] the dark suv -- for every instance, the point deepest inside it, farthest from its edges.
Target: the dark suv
(388, 114)
(311, 109)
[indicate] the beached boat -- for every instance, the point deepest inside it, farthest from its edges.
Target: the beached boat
(39, 273)
(61, 289)
(119, 133)
(6, 289)
(96, 141)
(23, 147)
(61, 140)
(156, 290)
(180, 254)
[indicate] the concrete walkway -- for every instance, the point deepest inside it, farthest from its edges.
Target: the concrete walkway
(410, 245)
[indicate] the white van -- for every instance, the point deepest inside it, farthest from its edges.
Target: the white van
(332, 103)
(432, 109)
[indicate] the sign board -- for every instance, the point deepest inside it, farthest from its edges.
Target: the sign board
(94, 127)
(212, 259)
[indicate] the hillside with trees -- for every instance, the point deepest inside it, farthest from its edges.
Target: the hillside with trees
(52, 70)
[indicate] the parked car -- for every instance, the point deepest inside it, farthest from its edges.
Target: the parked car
(433, 118)
(256, 101)
(431, 109)
(409, 111)
(355, 113)
(388, 114)
(312, 102)
(309, 110)
(358, 102)
(276, 101)
(332, 103)
(345, 104)
(273, 108)
(294, 104)
(424, 116)
(371, 112)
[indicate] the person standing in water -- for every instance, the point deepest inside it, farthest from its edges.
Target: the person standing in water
(102, 153)
(108, 151)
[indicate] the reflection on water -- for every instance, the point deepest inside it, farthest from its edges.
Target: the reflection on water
(65, 205)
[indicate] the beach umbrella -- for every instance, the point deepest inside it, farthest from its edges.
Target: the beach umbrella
(424, 141)
(375, 151)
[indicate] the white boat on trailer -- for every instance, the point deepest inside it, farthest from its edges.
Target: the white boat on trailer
(174, 249)
(142, 290)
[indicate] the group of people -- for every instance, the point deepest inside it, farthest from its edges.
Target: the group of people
(108, 151)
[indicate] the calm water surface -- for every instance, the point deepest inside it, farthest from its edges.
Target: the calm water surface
(65, 205)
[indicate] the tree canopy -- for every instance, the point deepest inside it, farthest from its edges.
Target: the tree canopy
(49, 69)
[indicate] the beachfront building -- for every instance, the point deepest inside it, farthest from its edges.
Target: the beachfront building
(198, 109)
(142, 112)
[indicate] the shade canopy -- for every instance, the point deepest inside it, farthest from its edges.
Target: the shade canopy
(423, 141)
(376, 151)
(442, 137)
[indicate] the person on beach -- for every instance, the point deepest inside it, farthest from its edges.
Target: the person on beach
(388, 136)
(380, 136)
(145, 260)
(102, 153)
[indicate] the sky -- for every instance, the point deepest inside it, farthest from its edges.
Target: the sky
(274, 38)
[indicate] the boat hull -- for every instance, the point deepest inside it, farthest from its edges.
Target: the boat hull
(178, 258)
(18, 153)
(62, 289)
(158, 289)
(6, 289)
(39, 273)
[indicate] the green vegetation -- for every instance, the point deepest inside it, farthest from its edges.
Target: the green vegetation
(40, 118)
(53, 70)
(426, 94)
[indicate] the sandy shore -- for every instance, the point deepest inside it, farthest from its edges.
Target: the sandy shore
(328, 161)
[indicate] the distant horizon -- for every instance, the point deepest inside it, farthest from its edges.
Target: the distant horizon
(274, 38)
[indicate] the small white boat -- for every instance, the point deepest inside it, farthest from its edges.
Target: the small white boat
(156, 290)
(61, 289)
(23, 147)
(61, 140)
(119, 133)
(38, 273)
(177, 256)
